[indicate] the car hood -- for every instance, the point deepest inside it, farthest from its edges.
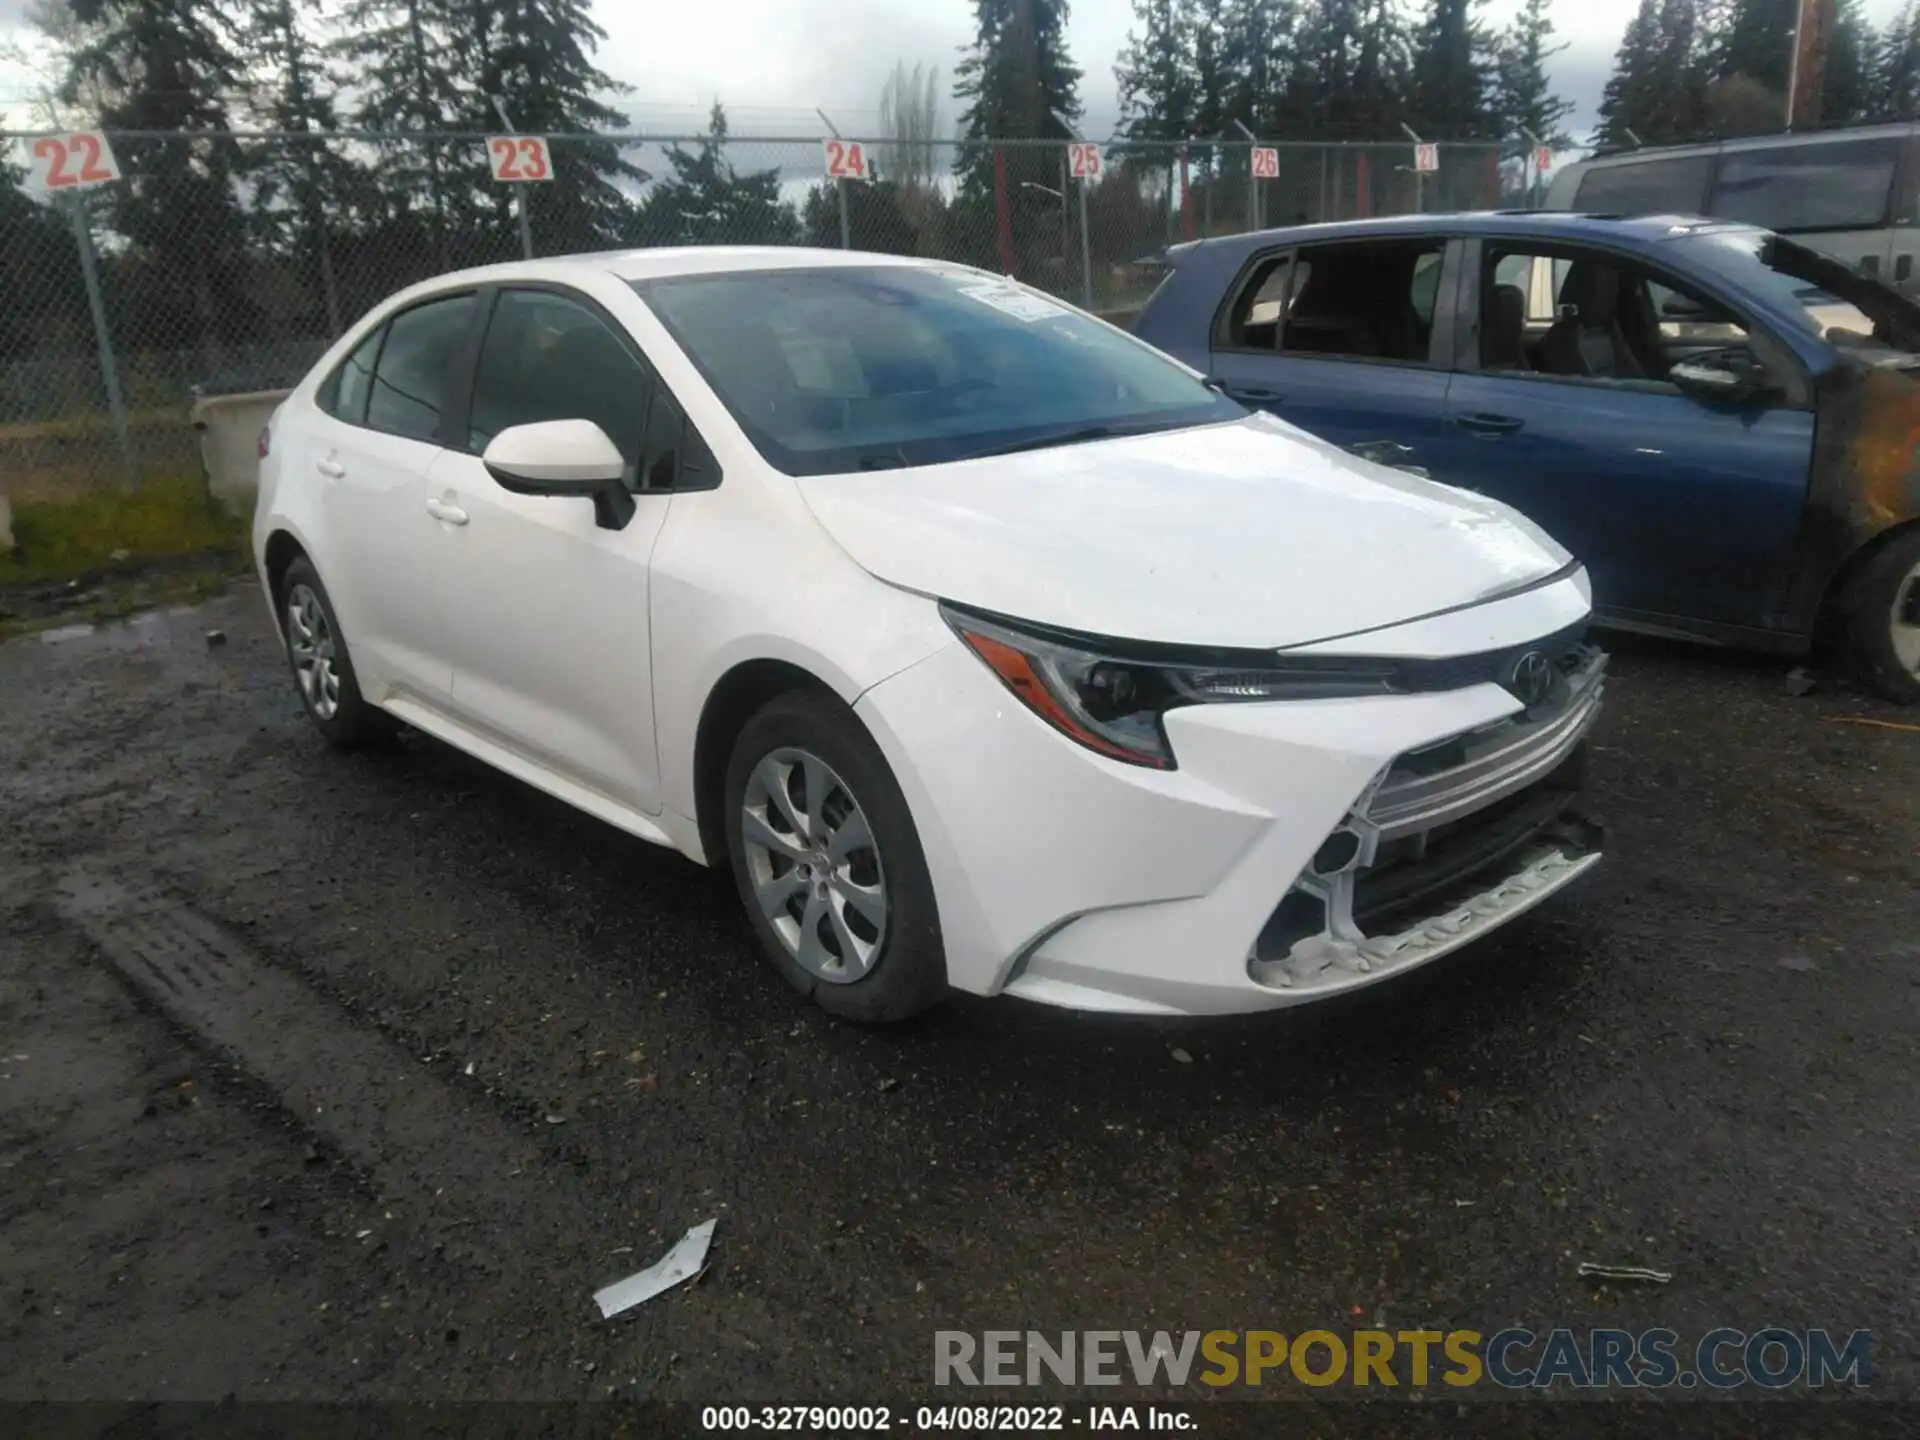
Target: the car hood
(1245, 534)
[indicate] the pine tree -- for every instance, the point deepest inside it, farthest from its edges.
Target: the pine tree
(1847, 90)
(1759, 43)
(535, 58)
(170, 65)
(1453, 72)
(1256, 59)
(1524, 95)
(1155, 72)
(297, 184)
(705, 201)
(1017, 82)
(1897, 73)
(1017, 78)
(402, 53)
(1658, 86)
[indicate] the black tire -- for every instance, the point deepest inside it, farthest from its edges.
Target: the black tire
(345, 717)
(907, 971)
(1888, 579)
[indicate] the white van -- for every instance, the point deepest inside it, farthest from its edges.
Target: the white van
(1853, 194)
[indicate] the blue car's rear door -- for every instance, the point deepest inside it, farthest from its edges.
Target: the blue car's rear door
(1679, 506)
(1340, 339)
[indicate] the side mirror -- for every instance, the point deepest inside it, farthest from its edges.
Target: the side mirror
(567, 458)
(1716, 383)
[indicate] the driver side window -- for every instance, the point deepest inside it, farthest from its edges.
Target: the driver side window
(547, 356)
(1595, 316)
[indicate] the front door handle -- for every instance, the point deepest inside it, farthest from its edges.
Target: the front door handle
(1483, 424)
(1254, 394)
(332, 469)
(447, 511)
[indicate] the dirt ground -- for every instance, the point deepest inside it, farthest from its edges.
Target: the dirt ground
(350, 1078)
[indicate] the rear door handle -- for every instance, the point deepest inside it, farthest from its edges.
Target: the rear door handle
(443, 510)
(1489, 424)
(332, 469)
(1255, 394)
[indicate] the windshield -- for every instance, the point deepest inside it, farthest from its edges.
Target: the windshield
(865, 368)
(1839, 304)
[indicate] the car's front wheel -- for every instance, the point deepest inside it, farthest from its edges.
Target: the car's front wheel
(322, 668)
(828, 863)
(1886, 620)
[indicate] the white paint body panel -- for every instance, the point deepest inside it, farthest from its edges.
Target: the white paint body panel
(1249, 534)
(580, 660)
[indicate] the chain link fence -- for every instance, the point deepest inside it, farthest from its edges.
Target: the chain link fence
(227, 263)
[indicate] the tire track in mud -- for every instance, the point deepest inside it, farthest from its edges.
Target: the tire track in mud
(439, 1155)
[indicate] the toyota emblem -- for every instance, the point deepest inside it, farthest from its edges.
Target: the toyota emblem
(1532, 678)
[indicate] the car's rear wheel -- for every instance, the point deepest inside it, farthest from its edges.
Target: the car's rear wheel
(1885, 612)
(828, 863)
(322, 668)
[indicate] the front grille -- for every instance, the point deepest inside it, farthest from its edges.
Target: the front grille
(1415, 874)
(1429, 786)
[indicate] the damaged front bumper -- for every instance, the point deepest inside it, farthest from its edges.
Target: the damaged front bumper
(1449, 843)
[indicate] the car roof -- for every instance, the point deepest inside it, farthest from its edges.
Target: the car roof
(1833, 135)
(670, 260)
(1546, 224)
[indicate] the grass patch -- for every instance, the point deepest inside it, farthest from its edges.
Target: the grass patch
(162, 521)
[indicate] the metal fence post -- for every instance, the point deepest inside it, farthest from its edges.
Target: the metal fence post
(109, 371)
(1086, 251)
(1253, 180)
(846, 223)
(519, 191)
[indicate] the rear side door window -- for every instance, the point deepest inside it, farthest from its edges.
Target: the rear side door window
(1254, 321)
(1373, 300)
(420, 358)
(344, 395)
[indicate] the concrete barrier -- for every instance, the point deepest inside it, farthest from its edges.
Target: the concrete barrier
(229, 428)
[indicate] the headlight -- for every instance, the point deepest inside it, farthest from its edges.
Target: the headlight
(1111, 700)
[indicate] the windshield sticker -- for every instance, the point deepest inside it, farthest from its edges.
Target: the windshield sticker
(1011, 300)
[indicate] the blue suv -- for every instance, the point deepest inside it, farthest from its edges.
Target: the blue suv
(1721, 423)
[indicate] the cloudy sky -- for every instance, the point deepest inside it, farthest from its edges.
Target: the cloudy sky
(772, 61)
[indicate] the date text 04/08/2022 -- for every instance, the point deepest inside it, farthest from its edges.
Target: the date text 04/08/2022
(1005, 1419)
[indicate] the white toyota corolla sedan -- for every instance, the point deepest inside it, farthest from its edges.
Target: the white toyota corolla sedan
(987, 646)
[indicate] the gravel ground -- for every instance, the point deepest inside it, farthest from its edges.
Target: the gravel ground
(351, 1077)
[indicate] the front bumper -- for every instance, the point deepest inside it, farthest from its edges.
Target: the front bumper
(1070, 879)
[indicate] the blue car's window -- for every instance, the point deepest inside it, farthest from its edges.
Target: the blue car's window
(1817, 293)
(876, 367)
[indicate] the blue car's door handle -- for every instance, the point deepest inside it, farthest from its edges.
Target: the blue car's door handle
(1255, 394)
(1483, 424)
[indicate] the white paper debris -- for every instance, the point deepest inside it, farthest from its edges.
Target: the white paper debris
(1624, 1272)
(679, 1264)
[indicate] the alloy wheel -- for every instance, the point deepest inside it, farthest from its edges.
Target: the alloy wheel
(1905, 619)
(311, 645)
(814, 866)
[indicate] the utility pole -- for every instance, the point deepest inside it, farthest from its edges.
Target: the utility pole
(1807, 67)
